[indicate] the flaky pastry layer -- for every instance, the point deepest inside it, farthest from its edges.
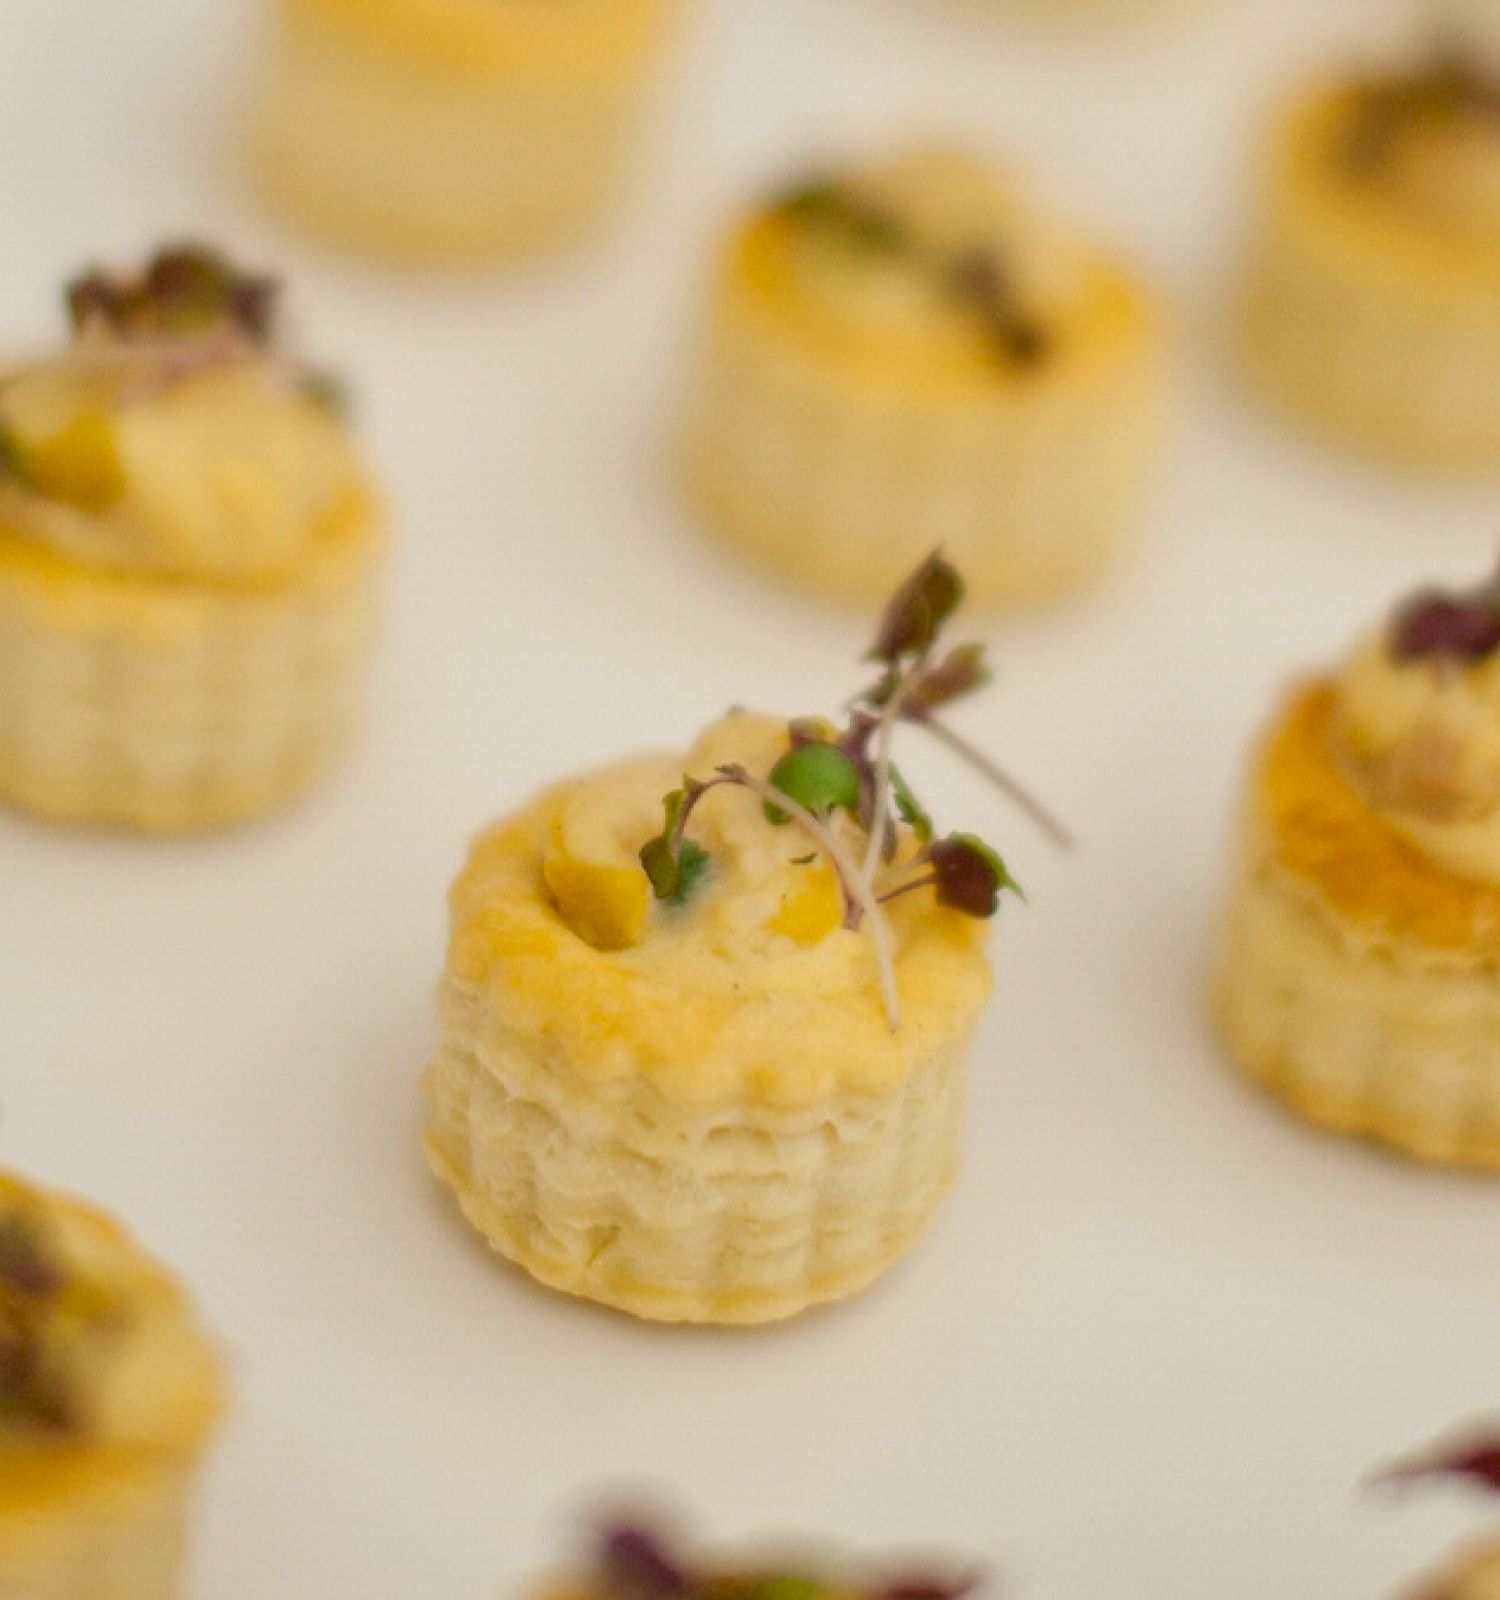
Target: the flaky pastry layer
(169, 707)
(730, 1213)
(1356, 981)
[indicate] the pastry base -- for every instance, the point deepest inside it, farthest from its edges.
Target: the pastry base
(117, 1529)
(167, 708)
(727, 1214)
(1366, 328)
(1475, 1577)
(1031, 485)
(1359, 1025)
(383, 155)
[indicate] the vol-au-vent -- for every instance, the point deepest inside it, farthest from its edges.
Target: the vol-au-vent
(108, 1394)
(1360, 973)
(913, 353)
(704, 1017)
(452, 132)
(1373, 293)
(189, 550)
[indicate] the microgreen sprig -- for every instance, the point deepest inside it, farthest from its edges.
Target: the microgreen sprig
(977, 279)
(1462, 625)
(833, 783)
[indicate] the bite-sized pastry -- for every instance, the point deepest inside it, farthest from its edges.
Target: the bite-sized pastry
(1373, 302)
(108, 1393)
(912, 354)
(452, 131)
(1360, 976)
(702, 1056)
(1475, 1573)
(189, 548)
(631, 1560)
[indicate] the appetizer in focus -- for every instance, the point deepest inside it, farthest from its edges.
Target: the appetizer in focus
(108, 1392)
(1474, 1574)
(1360, 976)
(1373, 304)
(702, 1058)
(188, 552)
(913, 355)
(451, 132)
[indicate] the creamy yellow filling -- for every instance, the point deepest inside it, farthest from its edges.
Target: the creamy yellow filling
(224, 474)
(1422, 738)
(753, 986)
(1449, 169)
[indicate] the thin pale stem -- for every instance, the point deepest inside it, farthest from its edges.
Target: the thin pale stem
(1002, 780)
(890, 715)
(855, 887)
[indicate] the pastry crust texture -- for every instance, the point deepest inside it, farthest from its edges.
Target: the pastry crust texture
(1365, 321)
(446, 133)
(132, 701)
(1476, 1576)
(837, 457)
(105, 1517)
(707, 1127)
(1357, 981)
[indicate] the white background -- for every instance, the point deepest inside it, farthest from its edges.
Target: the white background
(1160, 1331)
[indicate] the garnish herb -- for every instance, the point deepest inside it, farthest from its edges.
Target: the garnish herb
(1476, 1460)
(977, 279)
(636, 1563)
(1453, 84)
(32, 1389)
(835, 784)
(184, 290)
(1454, 625)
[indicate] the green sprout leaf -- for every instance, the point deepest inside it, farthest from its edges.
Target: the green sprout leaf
(918, 611)
(970, 875)
(676, 866)
(909, 808)
(826, 203)
(818, 776)
(185, 289)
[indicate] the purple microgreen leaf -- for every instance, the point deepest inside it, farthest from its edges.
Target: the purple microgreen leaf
(969, 876)
(818, 776)
(918, 611)
(1476, 1460)
(1456, 625)
(960, 672)
(917, 1587)
(636, 1563)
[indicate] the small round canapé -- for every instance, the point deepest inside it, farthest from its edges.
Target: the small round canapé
(1373, 295)
(912, 356)
(452, 132)
(704, 1017)
(1359, 978)
(189, 556)
(108, 1394)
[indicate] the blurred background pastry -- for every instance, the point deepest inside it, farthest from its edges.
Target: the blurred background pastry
(450, 132)
(189, 548)
(108, 1394)
(1372, 310)
(1360, 976)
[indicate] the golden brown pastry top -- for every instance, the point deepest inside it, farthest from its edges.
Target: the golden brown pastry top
(1327, 833)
